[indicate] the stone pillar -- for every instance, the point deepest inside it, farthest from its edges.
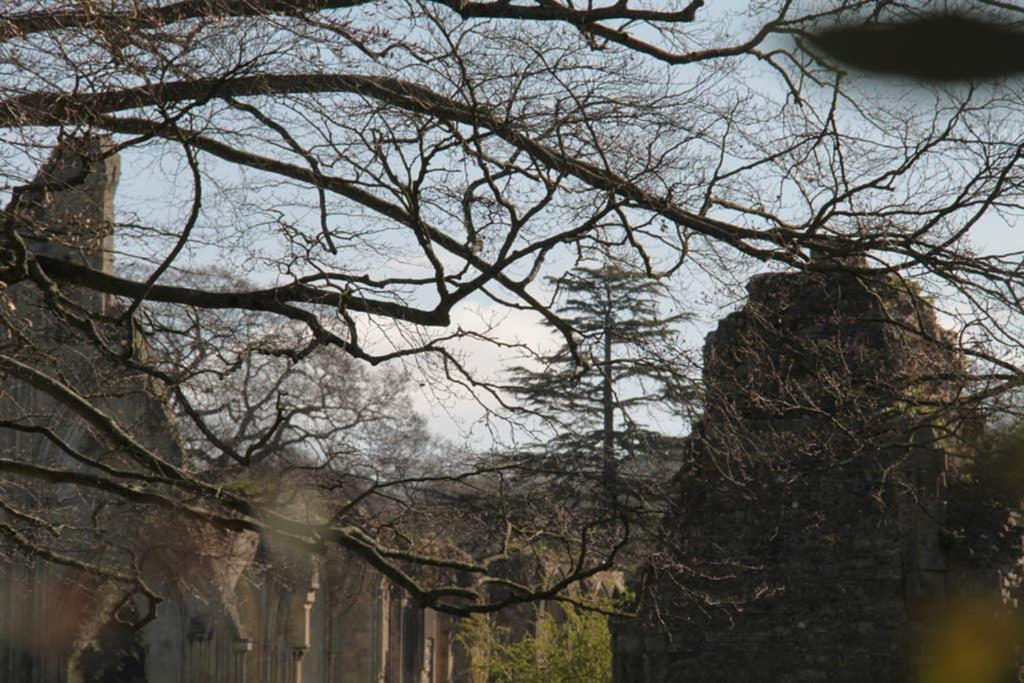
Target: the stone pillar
(200, 633)
(382, 632)
(241, 648)
(431, 632)
(196, 661)
(299, 631)
(298, 619)
(295, 674)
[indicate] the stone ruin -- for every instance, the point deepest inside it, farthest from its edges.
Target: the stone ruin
(237, 609)
(816, 526)
(815, 522)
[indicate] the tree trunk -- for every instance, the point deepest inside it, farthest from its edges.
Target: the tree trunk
(607, 399)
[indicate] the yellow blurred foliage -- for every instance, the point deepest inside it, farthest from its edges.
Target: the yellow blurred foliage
(974, 641)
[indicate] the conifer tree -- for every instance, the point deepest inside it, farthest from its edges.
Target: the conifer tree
(630, 363)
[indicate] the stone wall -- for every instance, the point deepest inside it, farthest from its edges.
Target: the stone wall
(236, 608)
(47, 614)
(808, 534)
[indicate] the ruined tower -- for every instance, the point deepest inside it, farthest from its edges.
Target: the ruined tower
(808, 538)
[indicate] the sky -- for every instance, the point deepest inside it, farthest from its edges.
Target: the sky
(155, 187)
(450, 410)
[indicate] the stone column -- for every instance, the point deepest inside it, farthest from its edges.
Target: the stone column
(299, 631)
(295, 674)
(430, 632)
(200, 633)
(241, 648)
(382, 630)
(196, 660)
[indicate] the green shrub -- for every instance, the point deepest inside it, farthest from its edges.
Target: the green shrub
(576, 649)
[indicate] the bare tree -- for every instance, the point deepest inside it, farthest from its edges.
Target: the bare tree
(239, 392)
(374, 167)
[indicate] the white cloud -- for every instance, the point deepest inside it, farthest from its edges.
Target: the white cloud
(508, 336)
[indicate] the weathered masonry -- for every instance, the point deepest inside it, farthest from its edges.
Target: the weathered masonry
(237, 609)
(811, 535)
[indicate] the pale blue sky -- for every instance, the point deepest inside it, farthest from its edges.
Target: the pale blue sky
(158, 190)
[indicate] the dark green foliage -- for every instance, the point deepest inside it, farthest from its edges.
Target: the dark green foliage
(992, 472)
(628, 362)
(575, 649)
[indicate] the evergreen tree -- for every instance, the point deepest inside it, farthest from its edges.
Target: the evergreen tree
(629, 362)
